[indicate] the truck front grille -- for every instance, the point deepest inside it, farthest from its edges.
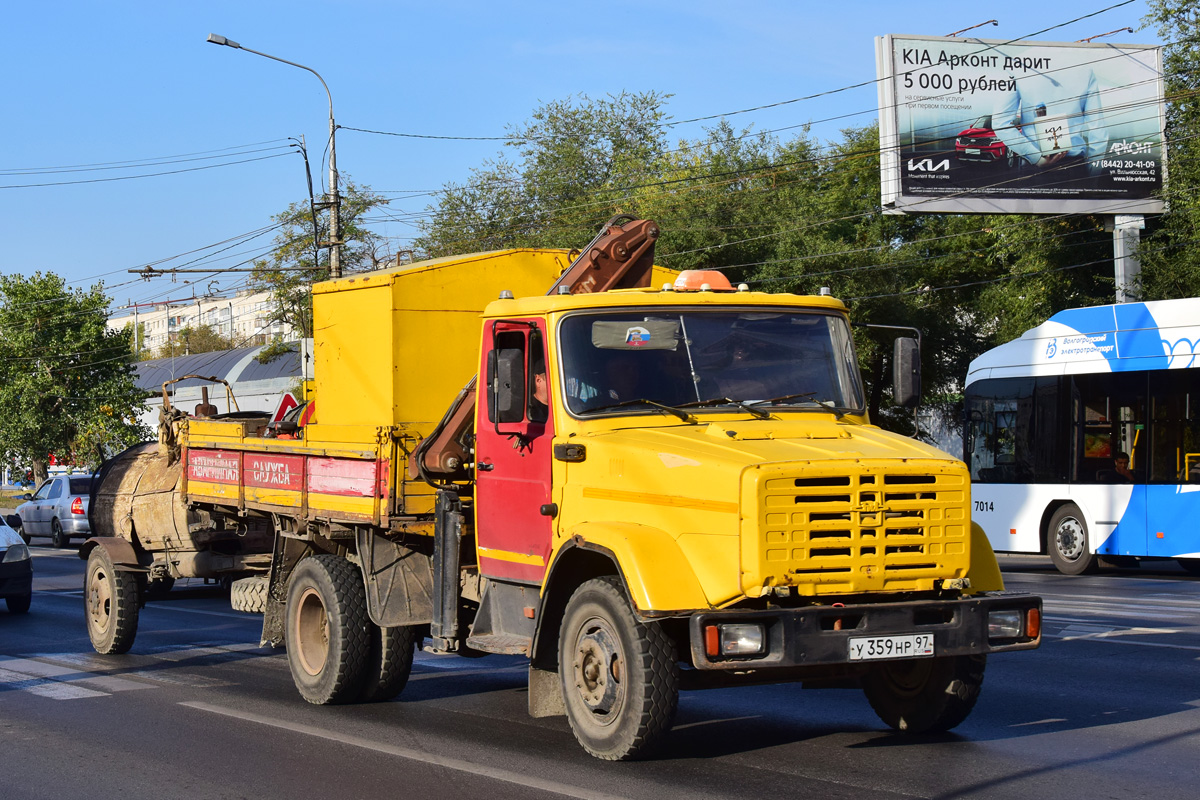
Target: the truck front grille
(881, 529)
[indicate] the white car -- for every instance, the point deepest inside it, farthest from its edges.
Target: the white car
(16, 571)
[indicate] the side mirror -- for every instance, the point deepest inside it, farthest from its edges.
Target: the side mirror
(506, 385)
(906, 373)
(25, 496)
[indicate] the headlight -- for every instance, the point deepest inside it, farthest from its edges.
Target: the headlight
(16, 552)
(736, 639)
(1004, 624)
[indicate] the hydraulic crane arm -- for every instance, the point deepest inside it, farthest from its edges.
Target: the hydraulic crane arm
(620, 257)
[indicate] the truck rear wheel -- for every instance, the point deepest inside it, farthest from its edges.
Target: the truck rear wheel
(925, 695)
(111, 604)
(619, 678)
(326, 629)
(389, 662)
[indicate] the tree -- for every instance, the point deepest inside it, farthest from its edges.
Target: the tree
(579, 159)
(66, 380)
(1169, 253)
(296, 262)
(189, 341)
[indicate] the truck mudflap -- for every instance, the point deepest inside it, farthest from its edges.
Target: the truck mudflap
(853, 634)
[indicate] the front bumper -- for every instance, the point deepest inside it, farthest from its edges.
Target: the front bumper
(16, 578)
(984, 155)
(820, 635)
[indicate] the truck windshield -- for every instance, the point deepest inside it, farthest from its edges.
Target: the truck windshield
(708, 360)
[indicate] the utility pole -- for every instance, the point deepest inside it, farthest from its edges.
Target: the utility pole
(1126, 266)
(335, 243)
(335, 240)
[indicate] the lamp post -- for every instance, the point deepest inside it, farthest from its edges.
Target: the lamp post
(335, 260)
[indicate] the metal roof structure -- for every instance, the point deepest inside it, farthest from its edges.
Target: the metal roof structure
(235, 366)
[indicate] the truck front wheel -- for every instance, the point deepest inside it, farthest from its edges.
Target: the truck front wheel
(925, 695)
(111, 604)
(619, 678)
(326, 629)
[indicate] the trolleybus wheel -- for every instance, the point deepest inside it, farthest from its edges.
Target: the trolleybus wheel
(1068, 543)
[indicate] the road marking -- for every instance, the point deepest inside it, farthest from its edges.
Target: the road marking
(232, 651)
(162, 605)
(242, 615)
(1094, 633)
(59, 682)
(423, 756)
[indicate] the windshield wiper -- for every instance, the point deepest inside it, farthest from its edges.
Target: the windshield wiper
(825, 404)
(786, 397)
(719, 401)
(641, 401)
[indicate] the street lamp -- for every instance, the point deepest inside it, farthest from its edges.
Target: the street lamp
(335, 260)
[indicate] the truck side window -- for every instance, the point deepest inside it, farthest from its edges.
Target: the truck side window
(539, 390)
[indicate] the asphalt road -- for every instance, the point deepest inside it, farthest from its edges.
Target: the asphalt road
(1106, 708)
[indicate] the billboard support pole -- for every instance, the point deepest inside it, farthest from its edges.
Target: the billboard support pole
(1126, 266)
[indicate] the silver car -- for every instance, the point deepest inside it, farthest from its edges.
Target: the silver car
(59, 509)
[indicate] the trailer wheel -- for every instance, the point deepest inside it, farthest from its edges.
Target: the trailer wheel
(250, 594)
(111, 604)
(925, 695)
(326, 629)
(619, 678)
(389, 662)
(1068, 543)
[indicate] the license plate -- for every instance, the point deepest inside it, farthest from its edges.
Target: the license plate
(972, 151)
(910, 646)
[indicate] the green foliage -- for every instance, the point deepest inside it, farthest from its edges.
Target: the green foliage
(273, 350)
(296, 263)
(189, 341)
(66, 381)
(578, 159)
(1170, 254)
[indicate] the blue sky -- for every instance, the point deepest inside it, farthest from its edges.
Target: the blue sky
(98, 83)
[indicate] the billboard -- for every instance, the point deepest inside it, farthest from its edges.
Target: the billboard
(998, 127)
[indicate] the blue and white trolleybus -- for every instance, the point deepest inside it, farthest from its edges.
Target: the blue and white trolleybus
(1083, 436)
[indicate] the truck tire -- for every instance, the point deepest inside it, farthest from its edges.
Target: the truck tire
(326, 629)
(619, 678)
(111, 604)
(250, 594)
(925, 695)
(389, 662)
(1068, 542)
(58, 537)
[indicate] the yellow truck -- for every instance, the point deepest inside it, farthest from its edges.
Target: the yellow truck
(658, 482)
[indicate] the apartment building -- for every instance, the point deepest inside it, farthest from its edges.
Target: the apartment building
(244, 317)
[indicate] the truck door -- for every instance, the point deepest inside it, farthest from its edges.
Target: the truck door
(514, 429)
